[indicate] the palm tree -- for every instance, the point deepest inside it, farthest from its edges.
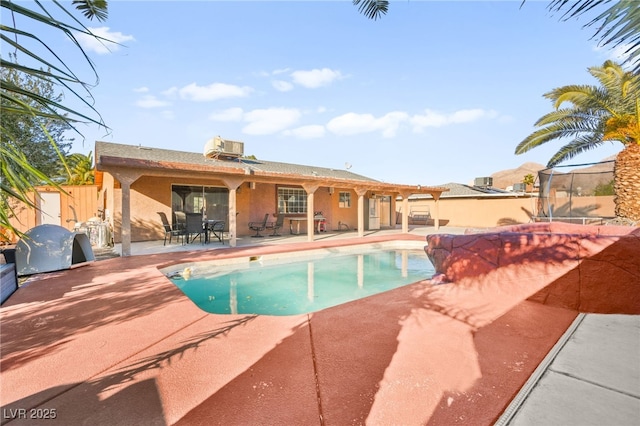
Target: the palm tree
(19, 176)
(598, 114)
(81, 168)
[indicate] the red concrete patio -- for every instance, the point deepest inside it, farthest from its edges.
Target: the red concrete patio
(117, 343)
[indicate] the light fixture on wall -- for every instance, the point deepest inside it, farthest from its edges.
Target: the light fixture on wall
(331, 189)
(252, 185)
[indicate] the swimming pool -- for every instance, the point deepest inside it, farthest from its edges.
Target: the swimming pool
(280, 286)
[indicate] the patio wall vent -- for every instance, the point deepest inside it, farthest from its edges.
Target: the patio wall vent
(218, 148)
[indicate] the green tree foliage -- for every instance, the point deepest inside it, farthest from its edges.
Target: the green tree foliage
(31, 134)
(81, 169)
(604, 189)
(528, 179)
(609, 112)
(18, 174)
(595, 115)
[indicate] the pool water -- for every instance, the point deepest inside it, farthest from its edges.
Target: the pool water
(302, 286)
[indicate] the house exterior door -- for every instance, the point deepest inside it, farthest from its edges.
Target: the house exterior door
(385, 211)
(374, 213)
(49, 205)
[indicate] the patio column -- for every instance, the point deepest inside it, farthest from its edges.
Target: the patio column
(361, 193)
(125, 228)
(405, 211)
(310, 189)
(436, 207)
(233, 184)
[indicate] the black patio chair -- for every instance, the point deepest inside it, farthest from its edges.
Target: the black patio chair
(259, 226)
(217, 229)
(170, 231)
(194, 227)
(276, 225)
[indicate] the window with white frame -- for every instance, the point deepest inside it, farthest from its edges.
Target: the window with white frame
(345, 200)
(291, 200)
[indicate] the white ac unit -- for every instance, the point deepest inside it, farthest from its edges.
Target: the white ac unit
(483, 182)
(519, 187)
(218, 147)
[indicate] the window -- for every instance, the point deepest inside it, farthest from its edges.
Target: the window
(292, 200)
(344, 200)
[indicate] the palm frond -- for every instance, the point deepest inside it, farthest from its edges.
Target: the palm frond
(569, 126)
(18, 175)
(617, 25)
(92, 8)
(575, 147)
(570, 115)
(372, 9)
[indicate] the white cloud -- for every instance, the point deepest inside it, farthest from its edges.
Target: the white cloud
(150, 101)
(390, 123)
(110, 40)
(436, 119)
(213, 92)
(306, 132)
(141, 90)
(619, 53)
(171, 92)
(316, 77)
(231, 114)
(270, 120)
(352, 123)
(282, 86)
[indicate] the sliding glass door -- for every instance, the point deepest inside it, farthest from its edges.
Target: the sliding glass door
(212, 202)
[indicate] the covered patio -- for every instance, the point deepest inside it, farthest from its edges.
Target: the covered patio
(148, 170)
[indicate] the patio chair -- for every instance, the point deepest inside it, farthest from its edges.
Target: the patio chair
(259, 226)
(275, 225)
(170, 231)
(217, 229)
(194, 227)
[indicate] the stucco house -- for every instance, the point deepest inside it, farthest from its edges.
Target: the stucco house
(138, 182)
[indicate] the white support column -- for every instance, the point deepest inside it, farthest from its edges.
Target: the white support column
(125, 228)
(436, 208)
(310, 189)
(361, 193)
(405, 211)
(126, 180)
(233, 184)
(233, 223)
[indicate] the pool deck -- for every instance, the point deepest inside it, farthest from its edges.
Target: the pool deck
(115, 343)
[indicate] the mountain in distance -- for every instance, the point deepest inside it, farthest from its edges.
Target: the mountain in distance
(506, 178)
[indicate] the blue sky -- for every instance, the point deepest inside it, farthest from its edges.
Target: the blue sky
(433, 92)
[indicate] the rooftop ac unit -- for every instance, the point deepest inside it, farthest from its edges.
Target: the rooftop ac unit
(218, 147)
(519, 187)
(483, 182)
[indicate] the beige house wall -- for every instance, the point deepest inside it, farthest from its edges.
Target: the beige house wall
(478, 212)
(489, 212)
(152, 194)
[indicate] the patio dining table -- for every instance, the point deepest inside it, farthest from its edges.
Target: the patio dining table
(319, 224)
